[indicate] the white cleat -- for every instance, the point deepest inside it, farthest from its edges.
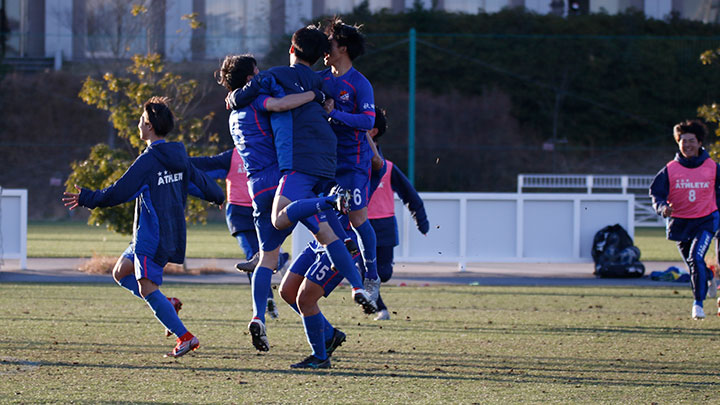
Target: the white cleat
(382, 315)
(362, 298)
(697, 312)
(372, 286)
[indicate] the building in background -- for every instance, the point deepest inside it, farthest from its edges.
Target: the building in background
(81, 29)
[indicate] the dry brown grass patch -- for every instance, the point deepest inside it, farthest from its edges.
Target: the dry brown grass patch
(104, 265)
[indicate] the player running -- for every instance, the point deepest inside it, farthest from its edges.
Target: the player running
(158, 180)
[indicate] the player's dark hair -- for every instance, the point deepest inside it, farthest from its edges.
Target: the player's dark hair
(348, 36)
(159, 115)
(234, 71)
(696, 127)
(310, 44)
(380, 122)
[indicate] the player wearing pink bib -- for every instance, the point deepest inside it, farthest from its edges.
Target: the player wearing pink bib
(381, 212)
(686, 191)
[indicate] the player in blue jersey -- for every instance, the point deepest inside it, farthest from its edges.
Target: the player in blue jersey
(306, 151)
(352, 116)
(158, 180)
(253, 137)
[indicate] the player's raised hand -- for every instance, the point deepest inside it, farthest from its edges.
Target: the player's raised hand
(71, 199)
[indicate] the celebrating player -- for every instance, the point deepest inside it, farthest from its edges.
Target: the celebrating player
(158, 180)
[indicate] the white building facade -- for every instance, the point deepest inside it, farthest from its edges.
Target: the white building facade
(79, 29)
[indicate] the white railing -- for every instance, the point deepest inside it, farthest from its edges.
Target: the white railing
(504, 227)
(626, 184)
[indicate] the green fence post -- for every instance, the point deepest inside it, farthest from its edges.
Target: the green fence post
(411, 108)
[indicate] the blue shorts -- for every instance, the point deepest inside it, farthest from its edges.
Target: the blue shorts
(315, 266)
(262, 190)
(298, 186)
(357, 181)
(145, 267)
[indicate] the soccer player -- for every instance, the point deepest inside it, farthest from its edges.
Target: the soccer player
(158, 180)
(352, 116)
(381, 212)
(252, 134)
(306, 152)
(310, 277)
(685, 191)
(238, 210)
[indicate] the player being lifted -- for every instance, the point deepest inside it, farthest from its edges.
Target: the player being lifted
(306, 154)
(353, 114)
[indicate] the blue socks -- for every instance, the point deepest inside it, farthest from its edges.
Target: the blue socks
(131, 284)
(302, 209)
(262, 277)
(165, 313)
(368, 245)
(315, 332)
(341, 260)
(329, 329)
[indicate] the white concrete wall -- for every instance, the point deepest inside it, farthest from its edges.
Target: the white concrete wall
(13, 225)
(504, 227)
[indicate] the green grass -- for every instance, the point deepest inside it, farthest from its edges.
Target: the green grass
(77, 239)
(92, 344)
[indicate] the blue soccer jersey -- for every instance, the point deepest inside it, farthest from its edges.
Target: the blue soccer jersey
(354, 114)
(253, 137)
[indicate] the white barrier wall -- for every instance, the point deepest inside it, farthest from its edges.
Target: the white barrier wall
(13, 225)
(504, 227)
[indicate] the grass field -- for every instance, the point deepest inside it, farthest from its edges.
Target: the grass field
(76, 239)
(94, 344)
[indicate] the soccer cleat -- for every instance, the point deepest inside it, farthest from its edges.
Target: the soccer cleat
(372, 286)
(178, 305)
(362, 298)
(712, 287)
(697, 312)
(352, 247)
(272, 309)
(718, 304)
(335, 341)
(259, 338)
(342, 199)
(382, 315)
(248, 266)
(312, 362)
(183, 347)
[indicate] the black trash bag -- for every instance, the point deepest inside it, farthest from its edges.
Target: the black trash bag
(615, 255)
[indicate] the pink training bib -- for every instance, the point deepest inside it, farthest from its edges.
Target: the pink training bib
(236, 182)
(382, 202)
(692, 191)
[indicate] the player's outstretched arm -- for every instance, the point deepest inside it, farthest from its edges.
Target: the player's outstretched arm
(410, 197)
(125, 189)
(205, 187)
